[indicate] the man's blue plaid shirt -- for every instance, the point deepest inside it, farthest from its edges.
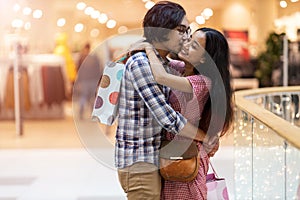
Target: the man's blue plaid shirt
(143, 112)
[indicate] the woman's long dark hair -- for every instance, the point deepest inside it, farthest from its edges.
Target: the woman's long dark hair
(217, 115)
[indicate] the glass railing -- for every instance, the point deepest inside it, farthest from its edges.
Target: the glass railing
(267, 144)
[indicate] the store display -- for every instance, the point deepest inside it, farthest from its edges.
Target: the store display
(42, 86)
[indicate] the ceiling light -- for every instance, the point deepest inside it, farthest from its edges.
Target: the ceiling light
(17, 23)
(81, 6)
(283, 4)
(78, 27)
(208, 12)
(149, 4)
(61, 22)
(27, 25)
(111, 23)
(88, 10)
(27, 11)
(37, 14)
(102, 18)
(94, 32)
(16, 7)
(95, 14)
(200, 19)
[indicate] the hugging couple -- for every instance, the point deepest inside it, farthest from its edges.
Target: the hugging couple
(183, 92)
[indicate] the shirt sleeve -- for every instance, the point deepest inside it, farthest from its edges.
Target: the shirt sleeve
(144, 83)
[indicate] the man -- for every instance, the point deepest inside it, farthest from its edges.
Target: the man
(144, 110)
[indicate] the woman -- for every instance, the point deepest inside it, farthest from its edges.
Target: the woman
(206, 76)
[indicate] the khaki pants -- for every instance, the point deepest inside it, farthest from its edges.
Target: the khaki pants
(140, 181)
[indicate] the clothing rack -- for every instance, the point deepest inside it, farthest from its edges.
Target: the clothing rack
(37, 74)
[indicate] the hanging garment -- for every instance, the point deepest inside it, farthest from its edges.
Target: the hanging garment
(53, 84)
(9, 97)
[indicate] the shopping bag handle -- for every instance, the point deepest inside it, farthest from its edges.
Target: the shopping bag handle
(213, 169)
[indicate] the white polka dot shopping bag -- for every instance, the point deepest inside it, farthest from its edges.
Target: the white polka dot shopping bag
(216, 187)
(107, 100)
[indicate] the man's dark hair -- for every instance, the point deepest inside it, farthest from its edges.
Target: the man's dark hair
(160, 19)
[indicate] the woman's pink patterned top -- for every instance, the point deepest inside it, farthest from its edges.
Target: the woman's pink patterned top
(191, 106)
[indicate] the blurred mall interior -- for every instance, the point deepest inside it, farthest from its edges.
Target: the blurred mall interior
(50, 149)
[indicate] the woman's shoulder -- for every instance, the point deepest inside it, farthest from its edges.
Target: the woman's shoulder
(199, 81)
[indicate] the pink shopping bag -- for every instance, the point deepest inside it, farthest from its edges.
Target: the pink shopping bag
(216, 187)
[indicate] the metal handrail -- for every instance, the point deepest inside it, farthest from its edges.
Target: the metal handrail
(279, 125)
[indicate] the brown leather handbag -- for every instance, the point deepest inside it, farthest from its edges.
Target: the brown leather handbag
(179, 160)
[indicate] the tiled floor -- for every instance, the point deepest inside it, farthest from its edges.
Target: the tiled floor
(67, 160)
(56, 174)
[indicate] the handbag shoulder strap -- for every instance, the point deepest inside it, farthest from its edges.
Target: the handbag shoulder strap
(213, 169)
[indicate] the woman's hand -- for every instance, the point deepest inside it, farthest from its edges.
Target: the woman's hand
(157, 67)
(162, 77)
